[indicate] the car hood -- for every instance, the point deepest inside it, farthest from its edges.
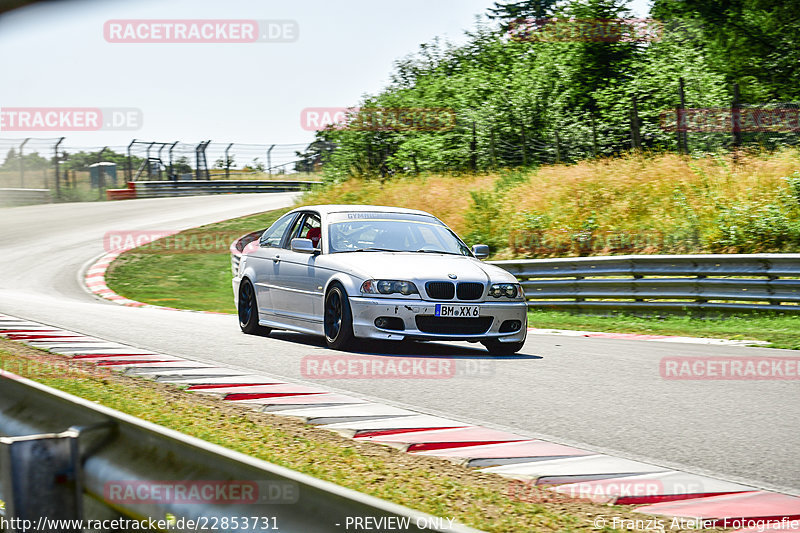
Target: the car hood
(418, 267)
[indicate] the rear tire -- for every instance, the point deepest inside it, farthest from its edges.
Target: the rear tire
(496, 347)
(248, 310)
(338, 319)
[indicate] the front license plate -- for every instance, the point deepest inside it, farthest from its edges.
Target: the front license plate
(466, 311)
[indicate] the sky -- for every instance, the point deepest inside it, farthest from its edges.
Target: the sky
(56, 55)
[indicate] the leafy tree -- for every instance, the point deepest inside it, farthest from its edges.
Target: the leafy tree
(523, 102)
(255, 165)
(31, 161)
(222, 163)
(752, 42)
(11, 156)
(510, 11)
(35, 161)
(182, 165)
(81, 160)
(314, 156)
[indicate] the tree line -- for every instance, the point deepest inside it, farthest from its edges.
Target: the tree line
(525, 101)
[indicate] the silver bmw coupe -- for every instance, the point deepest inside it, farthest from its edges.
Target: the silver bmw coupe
(371, 272)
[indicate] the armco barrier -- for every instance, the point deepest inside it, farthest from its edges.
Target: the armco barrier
(96, 470)
(650, 283)
(159, 189)
(654, 283)
(11, 197)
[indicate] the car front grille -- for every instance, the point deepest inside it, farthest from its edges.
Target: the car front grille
(446, 290)
(440, 290)
(452, 325)
(469, 291)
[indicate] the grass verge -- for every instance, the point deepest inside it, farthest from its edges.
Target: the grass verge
(186, 274)
(436, 486)
(780, 331)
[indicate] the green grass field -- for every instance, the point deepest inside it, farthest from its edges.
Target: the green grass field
(198, 280)
(780, 331)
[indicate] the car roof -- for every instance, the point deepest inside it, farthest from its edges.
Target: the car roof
(344, 208)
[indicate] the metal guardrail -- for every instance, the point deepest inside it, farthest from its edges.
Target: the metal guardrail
(155, 189)
(109, 465)
(11, 197)
(715, 282)
(649, 283)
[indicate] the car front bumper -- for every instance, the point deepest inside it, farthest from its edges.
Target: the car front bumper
(367, 310)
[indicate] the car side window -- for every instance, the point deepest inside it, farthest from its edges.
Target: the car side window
(295, 230)
(274, 235)
(306, 227)
(312, 229)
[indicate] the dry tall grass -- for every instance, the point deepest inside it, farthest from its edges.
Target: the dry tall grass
(633, 204)
(445, 196)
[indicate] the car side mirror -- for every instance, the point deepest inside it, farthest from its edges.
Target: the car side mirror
(481, 251)
(303, 246)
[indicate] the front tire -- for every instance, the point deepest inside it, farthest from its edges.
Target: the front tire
(248, 310)
(338, 319)
(496, 347)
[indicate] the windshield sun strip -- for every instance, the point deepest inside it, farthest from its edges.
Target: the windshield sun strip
(440, 225)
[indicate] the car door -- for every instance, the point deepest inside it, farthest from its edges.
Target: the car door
(265, 260)
(296, 287)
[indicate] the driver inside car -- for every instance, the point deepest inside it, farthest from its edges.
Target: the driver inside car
(314, 234)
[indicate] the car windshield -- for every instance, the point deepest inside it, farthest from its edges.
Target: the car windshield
(392, 232)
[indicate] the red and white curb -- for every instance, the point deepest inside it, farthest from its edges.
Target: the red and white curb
(95, 282)
(567, 470)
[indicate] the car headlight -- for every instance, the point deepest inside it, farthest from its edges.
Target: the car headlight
(388, 286)
(506, 290)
